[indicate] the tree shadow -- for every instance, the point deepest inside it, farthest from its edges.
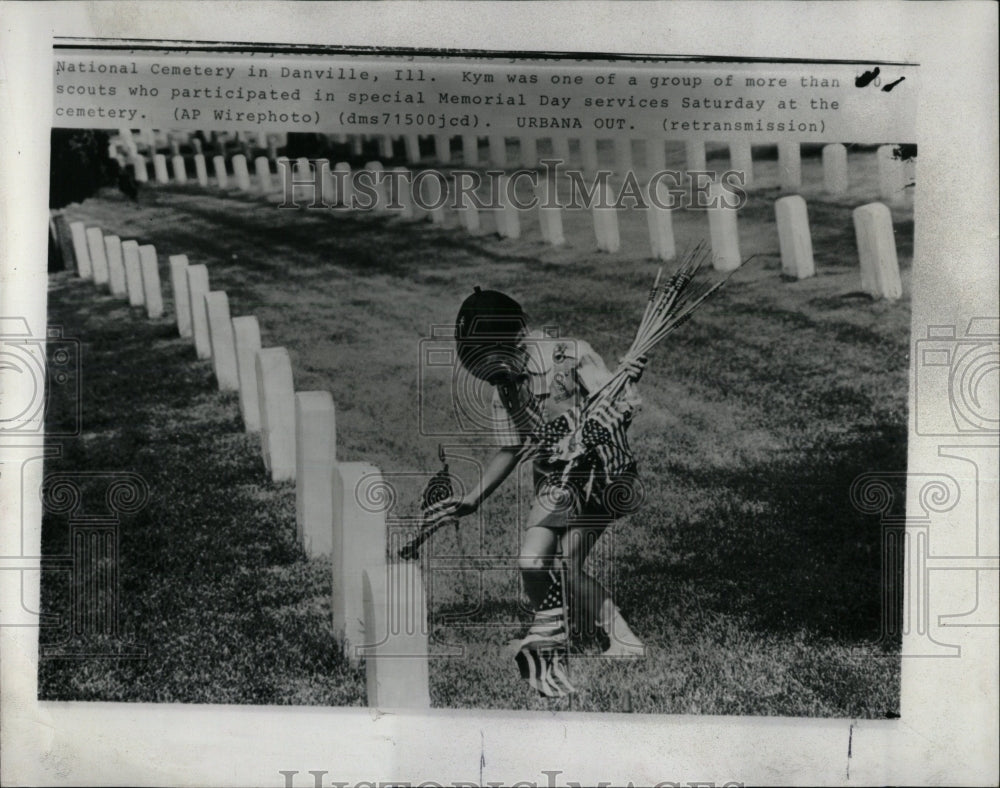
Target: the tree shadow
(782, 546)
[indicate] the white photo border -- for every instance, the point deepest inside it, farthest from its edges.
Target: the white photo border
(948, 730)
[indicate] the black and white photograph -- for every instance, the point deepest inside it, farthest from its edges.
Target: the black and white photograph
(389, 378)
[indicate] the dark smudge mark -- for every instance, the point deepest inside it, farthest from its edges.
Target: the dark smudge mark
(891, 85)
(865, 79)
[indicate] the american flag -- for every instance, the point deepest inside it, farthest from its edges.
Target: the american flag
(542, 656)
(591, 439)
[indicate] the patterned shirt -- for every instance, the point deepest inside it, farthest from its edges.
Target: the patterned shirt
(560, 375)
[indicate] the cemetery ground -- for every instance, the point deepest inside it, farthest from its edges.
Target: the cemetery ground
(755, 583)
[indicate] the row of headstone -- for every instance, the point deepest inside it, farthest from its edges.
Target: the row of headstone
(891, 169)
(299, 443)
(791, 212)
(875, 238)
(722, 219)
(379, 609)
(892, 178)
(124, 268)
(791, 217)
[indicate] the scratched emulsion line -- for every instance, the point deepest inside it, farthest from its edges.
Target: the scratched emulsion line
(850, 741)
(482, 755)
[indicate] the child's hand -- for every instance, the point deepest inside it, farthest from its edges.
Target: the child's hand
(449, 507)
(635, 368)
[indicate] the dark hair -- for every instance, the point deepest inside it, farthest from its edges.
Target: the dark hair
(487, 321)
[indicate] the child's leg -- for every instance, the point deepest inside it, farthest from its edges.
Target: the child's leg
(587, 595)
(535, 561)
(591, 604)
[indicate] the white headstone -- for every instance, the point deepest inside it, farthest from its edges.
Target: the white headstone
(180, 172)
(723, 230)
(529, 152)
(660, 222)
(344, 185)
(588, 150)
(182, 300)
(316, 456)
(694, 156)
(877, 251)
(497, 146)
(284, 171)
(79, 234)
(160, 168)
(442, 148)
(359, 543)
(508, 216)
(623, 155)
(126, 138)
(98, 258)
(470, 150)
(397, 659)
(412, 145)
(404, 194)
(835, 169)
(560, 149)
(133, 272)
(220, 333)
(790, 165)
(605, 219)
(276, 395)
(549, 213)
(240, 172)
(435, 190)
(151, 293)
(656, 155)
(197, 287)
(741, 160)
(200, 170)
(116, 265)
(385, 146)
(219, 170)
(375, 172)
(246, 337)
(470, 215)
(794, 237)
(139, 168)
(262, 169)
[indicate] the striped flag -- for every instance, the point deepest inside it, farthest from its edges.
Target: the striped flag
(542, 655)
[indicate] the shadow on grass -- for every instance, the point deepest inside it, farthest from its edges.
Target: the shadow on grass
(782, 547)
(209, 579)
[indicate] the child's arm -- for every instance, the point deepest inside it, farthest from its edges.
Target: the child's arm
(499, 468)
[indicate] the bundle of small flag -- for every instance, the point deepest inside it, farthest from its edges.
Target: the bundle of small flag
(590, 440)
(542, 654)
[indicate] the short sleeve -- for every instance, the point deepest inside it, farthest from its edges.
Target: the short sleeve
(504, 430)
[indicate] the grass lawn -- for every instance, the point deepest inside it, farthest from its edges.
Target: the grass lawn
(753, 581)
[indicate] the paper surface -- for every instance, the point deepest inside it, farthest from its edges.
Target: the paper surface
(948, 730)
